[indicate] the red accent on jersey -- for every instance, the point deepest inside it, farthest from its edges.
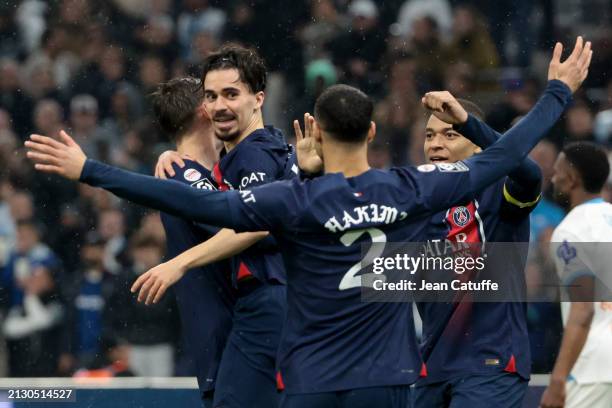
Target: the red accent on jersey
(511, 367)
(464, 227)
(243, 271)
(219, 178)
(279, 381)
(423, 370)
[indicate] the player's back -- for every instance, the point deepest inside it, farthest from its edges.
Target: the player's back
(332, 339)
(582, 245)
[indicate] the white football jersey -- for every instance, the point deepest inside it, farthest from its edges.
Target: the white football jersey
(582, 245)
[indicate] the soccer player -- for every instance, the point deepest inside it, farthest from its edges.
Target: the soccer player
(582, 375)
(493, 365)
(234, 80)
(337, 350)
(205, 295)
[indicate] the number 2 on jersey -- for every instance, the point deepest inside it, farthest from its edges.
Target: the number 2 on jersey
(350, 278)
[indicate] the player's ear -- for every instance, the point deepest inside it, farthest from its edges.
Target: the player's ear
(259, 99)
(201, 112)
(574, 178)
(371, 132)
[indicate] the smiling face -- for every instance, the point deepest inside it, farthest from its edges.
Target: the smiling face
(443, 144)
(231, 105)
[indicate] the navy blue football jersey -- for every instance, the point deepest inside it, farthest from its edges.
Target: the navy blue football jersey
(262, 157)
(205, 296)
(331, 339)
(463, 337)
(467, 337)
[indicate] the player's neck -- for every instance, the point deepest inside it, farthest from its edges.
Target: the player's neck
(256, 123)
(345, 159)
(200, 147)
(580, 197)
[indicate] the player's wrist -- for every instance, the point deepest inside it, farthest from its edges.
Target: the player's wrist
(557, 380)
(179, 264)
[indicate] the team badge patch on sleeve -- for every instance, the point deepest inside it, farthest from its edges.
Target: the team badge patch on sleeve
(192, 175)
(457, 167)
(426, 168)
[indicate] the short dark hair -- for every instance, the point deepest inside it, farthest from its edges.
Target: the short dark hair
(471, 108)
(591, 162)
(250, 65)
(175, 102)
(345, 112)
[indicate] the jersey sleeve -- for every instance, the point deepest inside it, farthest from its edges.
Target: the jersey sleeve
(173, 197)
(271, 207)
(571, 261)
(443, 185)
(522, 188)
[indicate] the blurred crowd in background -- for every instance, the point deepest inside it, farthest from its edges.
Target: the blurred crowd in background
(69, 253)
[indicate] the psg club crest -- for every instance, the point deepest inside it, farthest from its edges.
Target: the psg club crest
(461, 216)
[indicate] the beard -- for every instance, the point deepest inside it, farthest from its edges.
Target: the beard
(561, 198)
(227, 137)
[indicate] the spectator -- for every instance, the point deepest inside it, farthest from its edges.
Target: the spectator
(12, 98)
(471, 41)
(427, 48)
(48, 118)
(150, 330)
(399, 108)
(94, 140)
(111, 225)
(413, 10)
(102, 76)
(86, 294)
(326, 25)
(7, 224)
(579, 123)
(198, 16)
(32, 325)
(358, 52)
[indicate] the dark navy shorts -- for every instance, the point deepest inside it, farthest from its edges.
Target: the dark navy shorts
(247, 373)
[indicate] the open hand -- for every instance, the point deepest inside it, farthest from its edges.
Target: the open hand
(307, 148)
(64, 157)
(574, 70)
(154, 282)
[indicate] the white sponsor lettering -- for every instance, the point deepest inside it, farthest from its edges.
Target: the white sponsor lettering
(252, 178)
(247, 196)
(373, 213)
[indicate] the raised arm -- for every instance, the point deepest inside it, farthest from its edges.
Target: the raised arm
(523, 186)
(66, 159)
(453, 183)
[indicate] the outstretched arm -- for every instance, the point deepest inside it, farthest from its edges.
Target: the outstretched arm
(226, 243)
(66, 159)
(523, 186)
(463, 180)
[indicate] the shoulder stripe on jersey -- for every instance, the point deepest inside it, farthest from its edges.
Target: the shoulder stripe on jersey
(480, 225)
(518, 203)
